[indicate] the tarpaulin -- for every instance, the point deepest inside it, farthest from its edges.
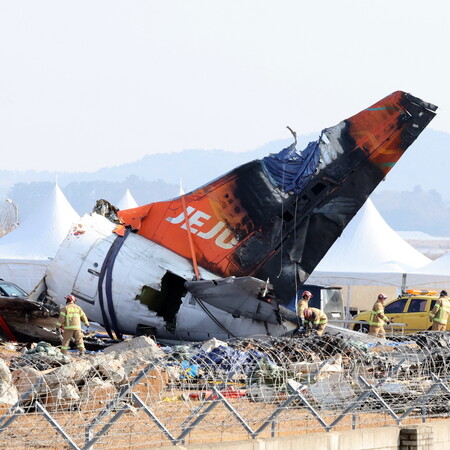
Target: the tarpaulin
(229, 360)
(290, 169)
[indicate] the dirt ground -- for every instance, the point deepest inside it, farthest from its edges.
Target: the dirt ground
(135, 429)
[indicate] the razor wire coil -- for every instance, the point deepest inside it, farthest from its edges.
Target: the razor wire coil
(220, 391)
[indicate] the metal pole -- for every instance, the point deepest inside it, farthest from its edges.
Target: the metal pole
(191, 243)
(57, 426)
(347, 312)
(404, 282)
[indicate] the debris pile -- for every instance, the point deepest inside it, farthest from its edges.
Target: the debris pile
(61, 382)
(327, 376)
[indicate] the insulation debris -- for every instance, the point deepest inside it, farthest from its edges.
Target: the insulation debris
(327, 376)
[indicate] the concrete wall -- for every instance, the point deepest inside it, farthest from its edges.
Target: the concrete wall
(441, 434)
(429, 436)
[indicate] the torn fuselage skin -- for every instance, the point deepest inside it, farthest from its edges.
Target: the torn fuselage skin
(147, 287)
(166, 301)
(277, 217)
(273, 218)
(294, 228)
(28, 320)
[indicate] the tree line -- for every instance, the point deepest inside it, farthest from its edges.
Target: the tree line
(415, 210)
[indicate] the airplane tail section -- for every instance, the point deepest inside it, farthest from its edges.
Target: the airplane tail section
(277, 217)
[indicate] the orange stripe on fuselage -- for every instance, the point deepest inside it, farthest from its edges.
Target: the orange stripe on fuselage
(215, 216)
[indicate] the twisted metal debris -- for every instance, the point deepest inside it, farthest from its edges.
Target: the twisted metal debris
(221, 391)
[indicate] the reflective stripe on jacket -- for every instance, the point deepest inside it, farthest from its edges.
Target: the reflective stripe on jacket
(377, 316)
(318, 317)
(71, 317)
(441, 310)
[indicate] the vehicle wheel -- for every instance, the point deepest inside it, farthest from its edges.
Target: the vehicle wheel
(362, 328)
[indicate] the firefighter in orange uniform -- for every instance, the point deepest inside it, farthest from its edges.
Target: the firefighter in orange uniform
(315, 319)
(439, 314)
(70, 318)
(377, 317)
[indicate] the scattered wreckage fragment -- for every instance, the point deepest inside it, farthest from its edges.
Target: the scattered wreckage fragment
(331, 371)
(271, 219)
(338, 385)
(29, 318)
(23, 316)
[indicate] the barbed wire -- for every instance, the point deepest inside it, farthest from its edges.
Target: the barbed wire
(144, 395)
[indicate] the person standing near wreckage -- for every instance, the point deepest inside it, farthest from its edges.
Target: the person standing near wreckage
(377, 317)
(439, 314)
(70, 318)
(302, 304)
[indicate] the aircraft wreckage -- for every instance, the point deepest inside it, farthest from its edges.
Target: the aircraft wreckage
(199, 266)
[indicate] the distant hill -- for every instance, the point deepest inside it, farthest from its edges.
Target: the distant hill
(414, 210)
(194, 167)
(415, 195)
(426, 164)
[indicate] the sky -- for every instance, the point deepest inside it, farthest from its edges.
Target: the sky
(92, 84)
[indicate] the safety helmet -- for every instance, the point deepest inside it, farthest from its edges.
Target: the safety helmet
(307, 313)
(381, 297)
(70, 298)
(443, 293)
(307, 294)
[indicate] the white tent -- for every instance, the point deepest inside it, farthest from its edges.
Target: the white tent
(433, 276)
(26, 251)
(369, 252)
(127, 201)
(440, 266)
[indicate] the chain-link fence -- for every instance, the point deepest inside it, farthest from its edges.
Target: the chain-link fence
(139, 395)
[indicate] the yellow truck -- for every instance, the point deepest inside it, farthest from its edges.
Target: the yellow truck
(410, 308)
